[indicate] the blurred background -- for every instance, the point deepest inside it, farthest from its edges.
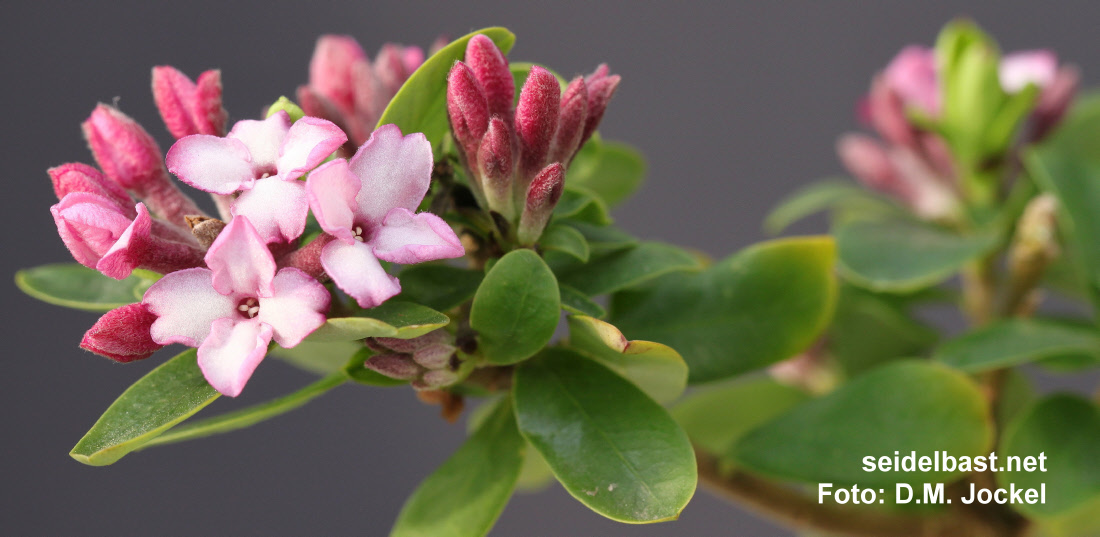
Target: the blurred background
(735, 105)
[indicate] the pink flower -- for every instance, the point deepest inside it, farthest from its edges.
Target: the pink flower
(234, 308)
(263, 160)
(368, 204)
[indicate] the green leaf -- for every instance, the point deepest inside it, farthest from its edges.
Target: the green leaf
(900, 256)
(248, 416)
(440, 287)
(320, 357)
(611, 170)
(516, 309)
(870, 329)
(716, 417)
(623, 269)
(601, 239)
(757, 307)
(562, 238)
(611, 446)
(165, 396)
(535, 473)
(825, 196)
(580, 204)
(394, 318)
(421, 103)
(904, 406)
(1066, 429)
(76, 286)
(655, 368)
(467, 493)
(1017, 341)
(575, 301)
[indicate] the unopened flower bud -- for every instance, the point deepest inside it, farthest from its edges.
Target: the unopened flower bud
(494, 161)
(542, 197)
(1019, 70)
(886, 113)
(1034, 248)
(601, 87)
(122, 334)
(468, 110)
(491, 69)
(912, 74)
(412, 58)
(869, 162)
(571, 122)
(1054, 100)
(409, 346)
(330, 69)
(536, 122)
(389, 67)
(395, 366)
(189, 107)
(438, 378)
(435, 356)
(76, 177)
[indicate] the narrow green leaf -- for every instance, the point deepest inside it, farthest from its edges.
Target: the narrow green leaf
(760, 306)
(655, 368)
(601, 239)
(248, 416)
(79, 287)
(392, 319)
(320, 357)
(611, 170)
(611, 446)
(466, 495)
(440, 287)
(826, 195)
(581, 204)
(905, 406)
(1017, 341)
(577, 302)
(562, 238)
(516, 309)
(165, 396)
(899, 256)
(623, 269)
(716, 417)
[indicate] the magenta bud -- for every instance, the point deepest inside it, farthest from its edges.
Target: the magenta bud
(536, 121)
(395, 366)
(188, 107)
(886, 113)
(412, 58)
(77, 177)
(869, 162)
(1053, 102)
(601, 87)
(308, 258)
(571, 122)
(491, 69)
(542, 196)
(494, 160)
(389, 67)
(435, 356)
(468, 110)
(330, 69)
(122, 334)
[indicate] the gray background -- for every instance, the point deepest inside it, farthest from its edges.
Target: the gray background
(734, 104)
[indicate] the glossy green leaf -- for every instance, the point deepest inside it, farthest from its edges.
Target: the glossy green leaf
(655, 368)
(611, 446)
(76, 286)
(440, 287)
(535, 474)
(392, 319)
(421, 103)
(467, 493)
(1017, 341)
(562, 238)
(1066, 430)
(870, 329)
(716, 417)
(320, 357)
(580, 204)
(602, 239)
(828, 195)
(577, 302)
(627, 268)
(248, 416)
(516, 309)
(905, 406)
(758, 307)
(165, 396)
(899, 255)
(611, 170)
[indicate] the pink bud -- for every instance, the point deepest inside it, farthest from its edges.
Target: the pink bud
(571, 124)
(308, 258)
(467, 109)
(870, 163)
(1020, 69)
(886, 113)
(436, 356)
(912, 74)
(409, 346)
(395, 366)
(542, 196)
(330, 69)
(491, 69)
(1054, 100)
(536, 121)
(316, 105)
(186, 107)
(601, 87)
(412, 58)
(436, 379)
(494, 160)
(89, 225)
(76, 177)
(389, 67)
(122, 334)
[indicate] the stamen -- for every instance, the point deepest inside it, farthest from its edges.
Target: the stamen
(358, 233)
(249, 307)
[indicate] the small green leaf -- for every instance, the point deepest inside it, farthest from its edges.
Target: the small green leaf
(516, 309)
(899, 255)
(905, 406)
(248, 416)
(393, 319)
(611, 170)
(286, 105)
(870, 329)
(716, 417)
(611, 446)
(828, 195)
(165, 396)
(1065, 429)
(79, 287)
(421, 103)
(657, 369)
(601, 239)
(562, 238)
(757, 307)
(320, 357)
(583, 205)
(440, 287)
(575, 301)
(623, 269)
(1017, 341)
(466, 495)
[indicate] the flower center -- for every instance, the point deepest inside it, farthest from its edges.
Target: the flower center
(249, 308)
(358, 233)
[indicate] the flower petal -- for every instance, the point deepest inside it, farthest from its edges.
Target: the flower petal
(308, 143)
(210, 163)
(231, 353)
(240, 260)
(186, 304)
(263, 139)
(295, 308)
(357, 271)
(89, 224)
(331, 189)
(409, 238)
(1024, 67)
(276, 208)
(130, 249)
(395, 171)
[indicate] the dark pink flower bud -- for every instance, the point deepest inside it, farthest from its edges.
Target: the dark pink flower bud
(389, 68)
(308, 258)
(316, 105)
(395, 366)
(468, 110)
(1053, 102)
(77, 177)
(571, 123)
(436, 356)
(601, 87)
(409, 346)
(536, 121)
(188, 107)
(491, 69)
(886, 113)
(542, 197)
(330, 69)
(122, 334)
(494, 160)
(869, 162)
(412, 58)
